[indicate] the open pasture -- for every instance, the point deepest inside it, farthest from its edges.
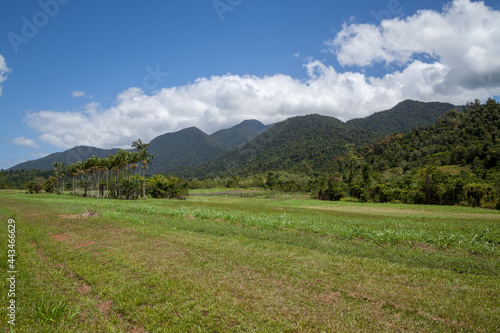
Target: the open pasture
(249, 264)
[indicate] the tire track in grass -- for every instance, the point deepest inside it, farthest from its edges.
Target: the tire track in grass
(104, 306)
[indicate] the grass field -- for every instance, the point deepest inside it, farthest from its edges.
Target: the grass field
(249, 264)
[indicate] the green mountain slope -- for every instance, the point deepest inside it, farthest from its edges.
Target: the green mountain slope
(403, 117)
(298, 144)
(456, 161)
(240, 134)
(186, 147)
(69, 156)
(457, 138)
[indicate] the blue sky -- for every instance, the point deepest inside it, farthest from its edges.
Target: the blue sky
(104, 73)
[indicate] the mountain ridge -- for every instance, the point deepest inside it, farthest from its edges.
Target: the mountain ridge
(240, 134)
(191, 147)
(191, 139)
(401, 118)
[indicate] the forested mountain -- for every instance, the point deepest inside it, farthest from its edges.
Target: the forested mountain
(456, 161)
(311, 142)
(69, 156)
(297, 144)
(240, 134)
(468, 137)
(186, 147)
(403, 117)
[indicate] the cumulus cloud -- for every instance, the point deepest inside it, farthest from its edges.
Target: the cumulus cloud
(463, 39)
(449, 56)
(25, 142)
(3, 71)
(78, 93)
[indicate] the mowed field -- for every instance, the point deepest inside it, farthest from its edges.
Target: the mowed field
(249, 263)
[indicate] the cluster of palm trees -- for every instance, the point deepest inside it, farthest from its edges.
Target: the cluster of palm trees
(116, 176)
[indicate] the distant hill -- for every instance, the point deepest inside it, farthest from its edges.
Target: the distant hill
(403, 117)
(240, 134)
(299, 143)
(186, 147)
(69, 156)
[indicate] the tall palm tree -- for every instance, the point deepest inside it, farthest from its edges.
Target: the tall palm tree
(145, 158)
(59, 170)
(74, 171)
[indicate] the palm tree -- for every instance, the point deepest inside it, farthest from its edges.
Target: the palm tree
(120, 160)
(59, 170)
(106, 164)
(74, 171)
(145, 158)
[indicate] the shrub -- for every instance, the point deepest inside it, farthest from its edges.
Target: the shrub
(33, 187)
(170, 187)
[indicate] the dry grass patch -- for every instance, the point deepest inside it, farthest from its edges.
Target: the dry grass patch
(86, 215)
(60, 237)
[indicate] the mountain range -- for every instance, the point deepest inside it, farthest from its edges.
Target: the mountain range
(187, 147)
(298, 143)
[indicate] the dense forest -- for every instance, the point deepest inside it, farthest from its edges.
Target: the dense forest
(455, 161)
(405, 116)
(16, 179)
(299, 144)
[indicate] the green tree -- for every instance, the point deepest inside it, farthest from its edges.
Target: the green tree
(33, 186)
(169, 187)
(50, 184)
(145, 158)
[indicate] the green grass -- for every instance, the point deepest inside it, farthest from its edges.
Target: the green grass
(251, 264)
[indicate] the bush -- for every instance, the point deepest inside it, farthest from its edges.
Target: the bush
(329, 189)
(49, 185)
(170, 187)
(33, 187)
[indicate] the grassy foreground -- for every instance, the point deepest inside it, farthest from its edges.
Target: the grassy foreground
(249, 264)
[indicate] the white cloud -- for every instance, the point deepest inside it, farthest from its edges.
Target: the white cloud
(462, 44)
(464, 38)
(25, 142)
(3, 71)
(78, 93)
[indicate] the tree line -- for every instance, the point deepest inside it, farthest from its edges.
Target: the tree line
(121, 176)
(454, 162)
